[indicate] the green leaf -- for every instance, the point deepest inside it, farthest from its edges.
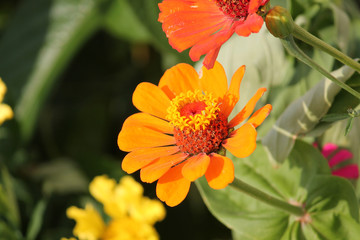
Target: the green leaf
(36, 220)
(8, 233)
(242, 214)
(264, 57)
(348, 126)
(304, 179)
(332, 225)
(36, 48)
(301, 116)
(148, 13)
(342, 24)
(249, 218)
(340, 107)
(334, 117)
(333, 194)
(9, 198)
(60, 176)
(122, 21)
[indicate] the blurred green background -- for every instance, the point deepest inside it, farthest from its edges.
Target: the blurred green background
(71, 67)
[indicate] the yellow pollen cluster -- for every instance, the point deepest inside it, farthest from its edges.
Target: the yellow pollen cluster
(198, 121)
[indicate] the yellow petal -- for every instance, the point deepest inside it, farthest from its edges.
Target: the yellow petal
(6, 113)
(89, 224)
(242, 141)
(3, 90)
(102, 188)
(220, 171)
(149, 211)
(149, 98)
(196, 166)
(124, 199)
(129, 229)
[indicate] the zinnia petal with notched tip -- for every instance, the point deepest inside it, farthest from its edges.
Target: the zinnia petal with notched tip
(183, 145)
(204, 25)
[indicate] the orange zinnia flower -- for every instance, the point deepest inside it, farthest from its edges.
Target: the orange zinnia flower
(183, 126)
(205, 25)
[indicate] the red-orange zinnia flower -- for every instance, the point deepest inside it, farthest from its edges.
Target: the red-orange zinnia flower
(204, 25)
(182, 126)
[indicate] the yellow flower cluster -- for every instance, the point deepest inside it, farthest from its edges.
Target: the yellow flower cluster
(5, 110)
(132, 215)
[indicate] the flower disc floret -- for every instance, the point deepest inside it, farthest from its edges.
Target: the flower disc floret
(204, 105)
(203, 141)
(234, 8)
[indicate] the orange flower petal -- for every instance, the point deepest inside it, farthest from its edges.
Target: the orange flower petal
(180, 78)
(137, 137)
(151, 99)
(196, 166)
(248, 109)
(172, 187)
(252, 24)
(160, 166)
(232, 96)
(210, 58)
(220, 171)
(189, 22)
(255, 4)
(135, 160)
(214, 41)
(242, 141)
(259, 116)
(214, 80)
(149, 121)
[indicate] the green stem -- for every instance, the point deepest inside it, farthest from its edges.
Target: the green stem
(293, 49)
(308, 38)
(266, 198)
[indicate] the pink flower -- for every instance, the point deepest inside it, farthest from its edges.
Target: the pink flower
(336, 156)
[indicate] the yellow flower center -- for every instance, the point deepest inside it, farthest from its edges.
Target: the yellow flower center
(199, 126)
(192, 110)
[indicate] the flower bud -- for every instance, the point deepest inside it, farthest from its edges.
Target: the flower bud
(279, 22)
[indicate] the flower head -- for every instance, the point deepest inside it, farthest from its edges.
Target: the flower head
(337, 158)
(204, 25)
(5, 111)
(183, 126)
(132, 215)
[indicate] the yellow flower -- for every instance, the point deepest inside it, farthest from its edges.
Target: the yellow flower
(89, 224)
(129, 229)
(126, 199)
(5, 110)
(132, 214)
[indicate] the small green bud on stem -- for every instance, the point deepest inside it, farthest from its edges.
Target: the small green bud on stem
(279, 22)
